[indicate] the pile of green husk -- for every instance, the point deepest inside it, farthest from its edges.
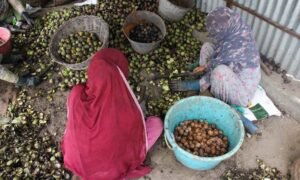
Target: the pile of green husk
(28, 151)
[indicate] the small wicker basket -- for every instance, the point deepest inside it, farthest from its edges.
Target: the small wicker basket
(81, 23)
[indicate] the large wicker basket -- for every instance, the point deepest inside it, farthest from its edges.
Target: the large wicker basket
(82, 23)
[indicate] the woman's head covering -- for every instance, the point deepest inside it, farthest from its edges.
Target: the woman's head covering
(112, 57)
(223, 22)
(105, 136)
(234, 42)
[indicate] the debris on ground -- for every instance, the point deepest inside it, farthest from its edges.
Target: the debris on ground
(147, 178)
(275, 67)
(262, 172)
(295, 170)
(149, 5)
(285, 78)
(26, 149)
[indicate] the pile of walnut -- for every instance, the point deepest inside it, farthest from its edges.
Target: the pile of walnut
(200, 138)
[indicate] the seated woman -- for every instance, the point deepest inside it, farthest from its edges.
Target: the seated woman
(231, 64)
(106, 136)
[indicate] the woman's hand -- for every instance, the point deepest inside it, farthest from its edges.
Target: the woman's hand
(200, 69)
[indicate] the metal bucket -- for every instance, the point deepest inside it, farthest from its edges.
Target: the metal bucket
(81, 23)
(212, 110)
(138, 17)
(172, 12)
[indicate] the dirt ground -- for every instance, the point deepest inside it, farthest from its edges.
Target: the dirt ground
(8, 94)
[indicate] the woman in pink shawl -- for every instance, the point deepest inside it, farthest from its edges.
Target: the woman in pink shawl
(106, 136)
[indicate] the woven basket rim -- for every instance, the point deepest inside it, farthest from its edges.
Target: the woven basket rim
(63, 26)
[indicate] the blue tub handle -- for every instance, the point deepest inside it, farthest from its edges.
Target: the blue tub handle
(167, 142)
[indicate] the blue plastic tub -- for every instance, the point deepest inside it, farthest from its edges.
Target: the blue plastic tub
(212, 110)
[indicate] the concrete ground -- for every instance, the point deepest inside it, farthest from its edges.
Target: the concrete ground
(278, 142)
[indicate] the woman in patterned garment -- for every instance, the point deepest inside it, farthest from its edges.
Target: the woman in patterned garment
(231, 64)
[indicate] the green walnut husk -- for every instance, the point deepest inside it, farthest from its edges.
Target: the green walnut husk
(35, 154)
(78, 47)
(26, 151)
(71, 78)
(177, 50)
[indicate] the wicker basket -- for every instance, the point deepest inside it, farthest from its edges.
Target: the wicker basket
(82, 23)
(37, 3)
